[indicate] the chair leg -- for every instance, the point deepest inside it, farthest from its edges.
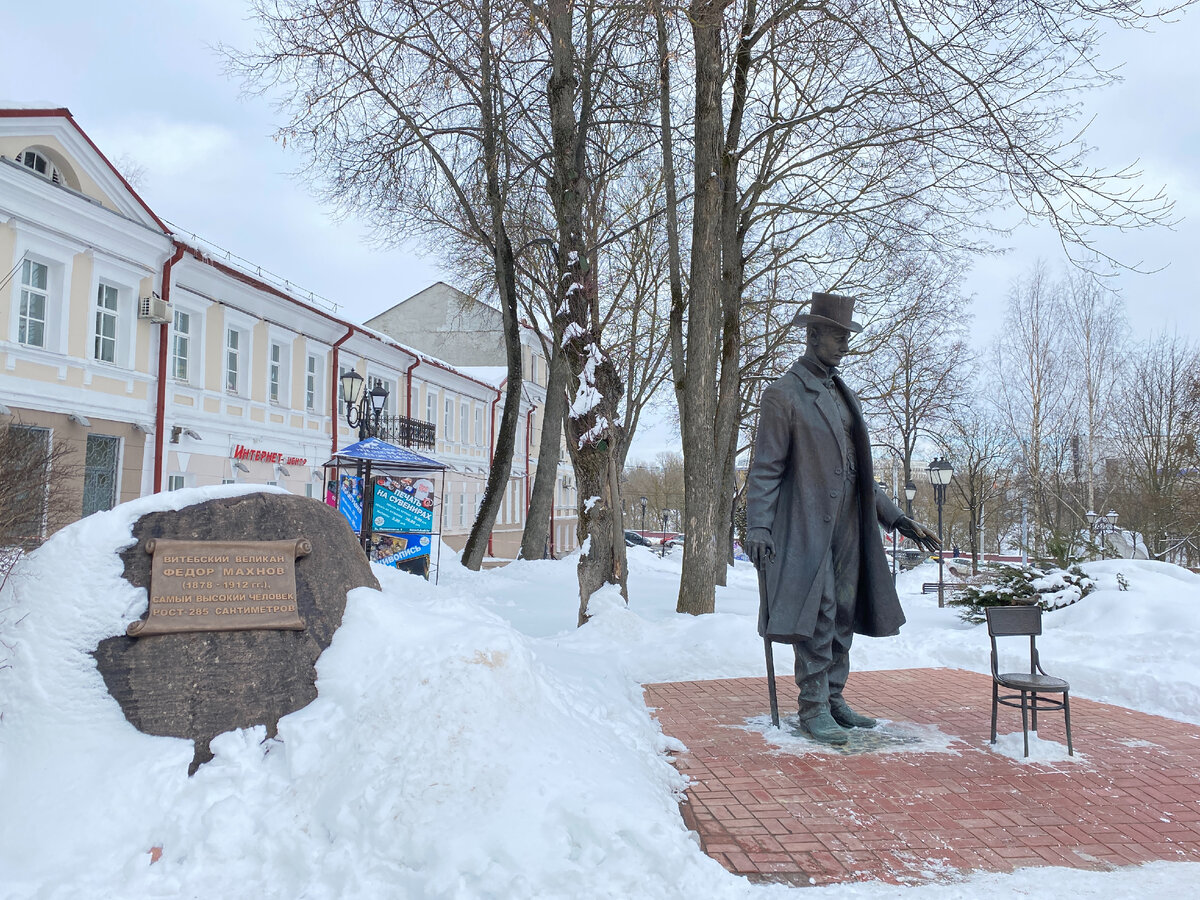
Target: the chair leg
(995, 703)
(1025, 721)
(1033, 697)
(1067, 714)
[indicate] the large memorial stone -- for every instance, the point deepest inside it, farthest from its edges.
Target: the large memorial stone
(199, 684)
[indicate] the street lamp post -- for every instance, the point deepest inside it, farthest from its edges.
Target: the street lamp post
(363, 410)
(643, 517)
(662, 549)
(1102, 526)
(910, 493)
(940, 473)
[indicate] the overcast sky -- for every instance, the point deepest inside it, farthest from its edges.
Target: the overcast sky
(142, 79)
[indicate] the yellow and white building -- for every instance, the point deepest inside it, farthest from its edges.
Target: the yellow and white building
(167, 364)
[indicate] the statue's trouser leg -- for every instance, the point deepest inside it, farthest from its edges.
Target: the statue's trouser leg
(823, 661)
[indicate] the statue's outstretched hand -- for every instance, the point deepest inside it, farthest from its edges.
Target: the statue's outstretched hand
(759, 547)
(918, 534)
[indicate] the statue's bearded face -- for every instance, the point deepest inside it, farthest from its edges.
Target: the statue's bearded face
(828, 343)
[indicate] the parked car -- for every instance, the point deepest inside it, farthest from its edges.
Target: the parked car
(632, 538)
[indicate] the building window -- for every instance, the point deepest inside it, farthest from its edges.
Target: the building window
(29, 465)
(464, 427)
(479, 426)
(341, 394)
(310, 383)
(233, 359)
(175, 482)
(431, 408)
(31, 159)
(273, 371)
(31, 324)
(100, 473)
(181, 342)
(448, 423)
(106, 324)
(462, 507)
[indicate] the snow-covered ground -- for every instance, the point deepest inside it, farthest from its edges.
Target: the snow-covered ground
(469, 741)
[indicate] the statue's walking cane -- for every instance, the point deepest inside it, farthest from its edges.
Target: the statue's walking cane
(770, 651)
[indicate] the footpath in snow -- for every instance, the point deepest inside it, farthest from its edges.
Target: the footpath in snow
(467, 740)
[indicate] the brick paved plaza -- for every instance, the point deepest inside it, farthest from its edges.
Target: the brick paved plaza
(945, 803)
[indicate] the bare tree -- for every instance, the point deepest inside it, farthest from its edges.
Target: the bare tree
(980, 447)
(1031, 360)
(1095, 322)
(39, 486)
(405, 113)
(850, 134)
(911, 384)
(1158, 419)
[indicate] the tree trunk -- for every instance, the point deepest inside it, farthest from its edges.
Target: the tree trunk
(702, 551)
(506, 282)
(541, 497)
(593, 429)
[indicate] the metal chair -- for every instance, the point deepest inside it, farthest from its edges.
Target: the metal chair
(1009, 621)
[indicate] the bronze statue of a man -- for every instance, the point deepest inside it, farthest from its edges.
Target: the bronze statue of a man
(812, 511)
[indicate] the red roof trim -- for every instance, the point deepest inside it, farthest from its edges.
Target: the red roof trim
(253, 282)
(62, 112)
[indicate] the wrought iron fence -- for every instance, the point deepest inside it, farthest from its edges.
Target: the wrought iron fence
(406, 432)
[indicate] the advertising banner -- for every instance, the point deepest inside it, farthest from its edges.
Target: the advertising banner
(407, 552)
(402, 504)
(350, 499)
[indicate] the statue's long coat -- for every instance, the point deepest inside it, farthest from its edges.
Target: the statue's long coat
(794, 489)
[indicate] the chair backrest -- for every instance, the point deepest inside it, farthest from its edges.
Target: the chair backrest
(1006, 620)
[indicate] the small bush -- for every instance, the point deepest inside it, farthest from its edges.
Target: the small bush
(1022, 585)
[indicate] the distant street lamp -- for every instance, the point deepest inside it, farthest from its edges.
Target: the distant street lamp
(662, 551)
(940, 473)
(910, 494)
(363, 409)
(643, 517)
(1102, 525)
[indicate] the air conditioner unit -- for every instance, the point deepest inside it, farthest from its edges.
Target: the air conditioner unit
(154, 308)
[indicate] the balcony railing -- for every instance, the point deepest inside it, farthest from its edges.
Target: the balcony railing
(406, 432)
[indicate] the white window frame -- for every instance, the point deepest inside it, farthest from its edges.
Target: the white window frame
(275, 373)
(479, 426)
(106, 315)
(28, 292)
(312, 379)
(464, 422)
(341, 404)
(448, 424)
(431, 407)
(176, 481)
(389, 408)
(233, 370)
(181, 340)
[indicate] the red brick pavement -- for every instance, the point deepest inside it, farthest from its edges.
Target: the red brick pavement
(1131, 795)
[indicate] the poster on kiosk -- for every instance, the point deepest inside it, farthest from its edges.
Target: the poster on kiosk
(401, 523)
(402, 504)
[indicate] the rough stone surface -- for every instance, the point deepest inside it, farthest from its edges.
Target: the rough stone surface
(201, 684)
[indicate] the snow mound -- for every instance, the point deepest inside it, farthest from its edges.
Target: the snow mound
(442, 758)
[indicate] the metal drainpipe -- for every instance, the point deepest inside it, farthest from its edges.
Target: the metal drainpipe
(408, 382)
(164, 333)
(492, 456)
(333, 380)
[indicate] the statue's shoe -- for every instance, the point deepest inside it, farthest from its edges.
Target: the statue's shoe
(848, 718)
(824, 729)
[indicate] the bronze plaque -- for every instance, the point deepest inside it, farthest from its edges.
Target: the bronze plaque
(222, 586)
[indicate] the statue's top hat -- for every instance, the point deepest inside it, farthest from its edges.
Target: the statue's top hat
(829, 309)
